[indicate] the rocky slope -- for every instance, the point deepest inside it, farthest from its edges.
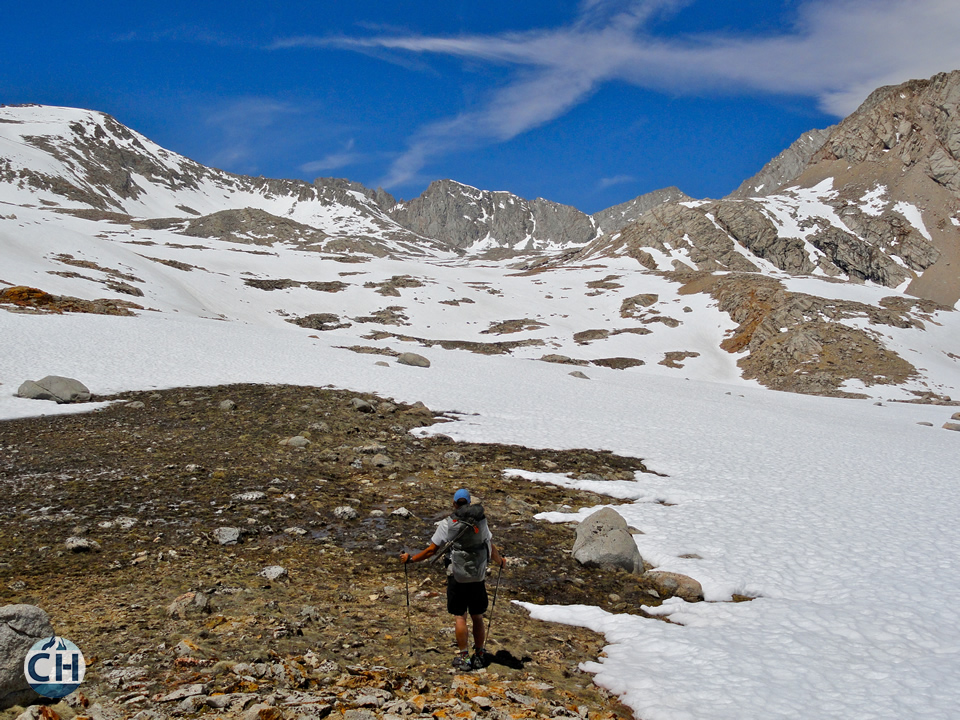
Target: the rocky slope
(878, 201)
(904, 140)
(619, 216)
(467, 218)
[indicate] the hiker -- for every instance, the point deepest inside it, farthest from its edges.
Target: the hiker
(466, 537)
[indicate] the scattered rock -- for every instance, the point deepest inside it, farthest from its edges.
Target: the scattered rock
(80, 544)
(345, 512)
(630, 307)
(418, 408)
(188, 605)
(668, 584)
(361, 405)
(297, 441)
(381, 461)
(585, 337)
(274, 572)
(579, 374)
(604, 541)
(249, 496)
(227, 535)
(618, 363)
(228, 405)
(562, 360)
(409, 358)
(56, 388)
(181, 693)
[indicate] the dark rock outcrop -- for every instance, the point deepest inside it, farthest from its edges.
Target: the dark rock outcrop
(461, 216)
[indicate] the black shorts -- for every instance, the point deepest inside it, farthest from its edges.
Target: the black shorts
(464, 597)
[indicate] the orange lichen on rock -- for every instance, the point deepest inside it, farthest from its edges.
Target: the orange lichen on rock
(24, 296)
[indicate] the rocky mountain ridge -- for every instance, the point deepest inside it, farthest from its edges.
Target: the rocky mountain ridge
(879, 201)
(90, 162)
(785, 167)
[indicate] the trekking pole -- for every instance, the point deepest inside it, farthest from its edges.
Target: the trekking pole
(494, 605)
(406, 582)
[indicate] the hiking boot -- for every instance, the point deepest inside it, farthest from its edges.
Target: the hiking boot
(461, 661)
(480, 659)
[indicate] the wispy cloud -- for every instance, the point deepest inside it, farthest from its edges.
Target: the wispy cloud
(242, 124)
(336, 160)
(836, 51)
(609, 182)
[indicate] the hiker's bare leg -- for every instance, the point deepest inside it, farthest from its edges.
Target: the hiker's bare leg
(461, 631)
(479, 631)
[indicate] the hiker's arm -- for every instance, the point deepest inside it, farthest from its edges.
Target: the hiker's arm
(496, 556)
(422, 555)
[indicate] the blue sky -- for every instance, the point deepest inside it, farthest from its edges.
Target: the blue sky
(588, 102)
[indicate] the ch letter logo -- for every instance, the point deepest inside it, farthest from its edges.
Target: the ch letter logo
(54, 667)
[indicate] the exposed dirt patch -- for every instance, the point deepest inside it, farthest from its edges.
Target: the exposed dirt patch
(495, 348)
(675, 358)
(393, 286)
(33, 300)
(392, 315)
(585, 337)
(320, 321)
(606, 284)
(512, 326)
(175, 264)
(150, 483)
(563, 360)
(618, 363)
(284, 283)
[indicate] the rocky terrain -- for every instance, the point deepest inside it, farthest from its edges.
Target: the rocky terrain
(232, 552)
(874, 198)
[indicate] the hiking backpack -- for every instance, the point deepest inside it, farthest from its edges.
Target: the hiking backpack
(468, 549)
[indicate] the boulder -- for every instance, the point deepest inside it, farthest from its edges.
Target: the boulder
(668, 584)
(604, 541)
(345, 512)
(227, 535)
(81, 544)
(274, 572)
(361, 405)
(188, 605)
(409, 358)
(20, 627)
(56, 388)
(951, 426)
